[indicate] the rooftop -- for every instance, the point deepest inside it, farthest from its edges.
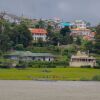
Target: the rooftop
(28, 53)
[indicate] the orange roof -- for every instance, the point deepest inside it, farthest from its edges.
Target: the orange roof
(38, 31)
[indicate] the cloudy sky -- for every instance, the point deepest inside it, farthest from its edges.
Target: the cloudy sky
(68, 10)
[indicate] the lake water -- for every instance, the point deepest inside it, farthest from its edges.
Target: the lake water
(54, 90)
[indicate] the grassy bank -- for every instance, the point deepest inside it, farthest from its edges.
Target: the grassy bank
(49, 74)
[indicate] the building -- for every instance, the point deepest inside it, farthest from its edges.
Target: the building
(82, 59)
(64, 24)
(87, 34)
(80, 24)
(80, 32)
(38, 33)
(29, 56)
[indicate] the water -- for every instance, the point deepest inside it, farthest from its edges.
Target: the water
(54, 90)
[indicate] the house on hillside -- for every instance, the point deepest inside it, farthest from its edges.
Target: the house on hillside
(82, 59)
(29, 56)
(80, 24)
(38, 33)
(87, 34)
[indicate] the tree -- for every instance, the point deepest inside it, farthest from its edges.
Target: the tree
(89, 46)
(97, 40)
(66, 37)
(19, 47)
(21, 35)
(41, 24)
(5, 43)
(78, 41)
(49, 30)
(65, 31)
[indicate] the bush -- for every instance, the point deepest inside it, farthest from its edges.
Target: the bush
(86, 66)
(96, 78)
(19, 47)
(40, 64)
(97, 67)
(22, 64)
(83, 79)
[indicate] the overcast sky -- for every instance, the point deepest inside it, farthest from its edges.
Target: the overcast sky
(68, 10)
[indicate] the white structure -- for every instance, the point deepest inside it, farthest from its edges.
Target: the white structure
(82, 59)
(80, 24)
(80, 32)
(38, 33)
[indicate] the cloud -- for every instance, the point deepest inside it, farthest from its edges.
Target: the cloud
(68, 10)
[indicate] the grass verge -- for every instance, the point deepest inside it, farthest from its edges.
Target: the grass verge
(70, 74)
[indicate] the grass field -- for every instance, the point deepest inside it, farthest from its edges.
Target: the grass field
(74, 74)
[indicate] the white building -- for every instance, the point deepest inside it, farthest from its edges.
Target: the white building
(38, 33)
(80, 32)
(82, 59)
(80, 24)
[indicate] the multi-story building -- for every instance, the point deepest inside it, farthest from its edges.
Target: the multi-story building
(80, 28)
(38, 33)
(80, 24)
(80, 32)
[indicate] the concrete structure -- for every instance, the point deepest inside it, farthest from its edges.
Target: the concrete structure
(82, 59)
(29, 56)
(80, 24)
(87, 34)
(80, 32)
(38, 33)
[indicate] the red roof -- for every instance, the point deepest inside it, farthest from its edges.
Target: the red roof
(38, 31)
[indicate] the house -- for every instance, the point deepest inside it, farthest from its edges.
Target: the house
(87, 34)
(80, 24)
(29, 56)
(82, 59)
(38, 33)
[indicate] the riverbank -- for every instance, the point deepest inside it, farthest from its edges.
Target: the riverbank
(50, 74)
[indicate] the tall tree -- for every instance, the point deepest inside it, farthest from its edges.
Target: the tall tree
(65, 31)
(21, 35)
(67, 38)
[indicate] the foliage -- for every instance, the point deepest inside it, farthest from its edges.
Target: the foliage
(78, 41)
(21, 35)
(12, 34)
(96, 78)
(37, 64)
(86, 66)
(19, 47)
(97, 40)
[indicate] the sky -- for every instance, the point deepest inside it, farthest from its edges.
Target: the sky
(68, 10)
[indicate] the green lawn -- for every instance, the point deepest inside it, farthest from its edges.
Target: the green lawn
(49, 74)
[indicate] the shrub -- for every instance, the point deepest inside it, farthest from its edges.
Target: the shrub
(40, 64)
(86, 66)
(96, 78)
(97, 67)
(83, 79)
(19, 47)
(22, 64)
